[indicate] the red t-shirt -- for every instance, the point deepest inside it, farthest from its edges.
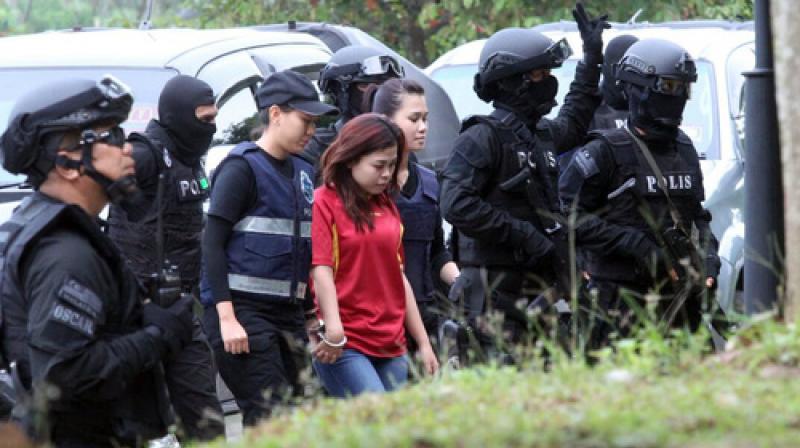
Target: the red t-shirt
(367, 272)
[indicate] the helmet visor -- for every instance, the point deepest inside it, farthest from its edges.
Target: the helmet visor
(672, 86)
(559, 52)
(381, 65)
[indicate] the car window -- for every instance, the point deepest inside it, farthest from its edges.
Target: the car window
(699, 117)
(305, 59)
(225, 72)
(146, 85)
(740, 60)
(236, 118)
(457, 81)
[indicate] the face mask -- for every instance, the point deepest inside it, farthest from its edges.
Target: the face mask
(176, 109)
(658, 115)
(531, 100)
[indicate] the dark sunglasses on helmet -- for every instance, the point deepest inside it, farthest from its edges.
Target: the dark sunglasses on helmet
(113, 89)
(674, 87)
(114, 137)
(559, 52)
(381, 65)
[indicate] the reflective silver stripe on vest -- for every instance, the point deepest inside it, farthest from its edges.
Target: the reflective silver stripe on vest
(258, 285)
(272, 226)
(305, 229)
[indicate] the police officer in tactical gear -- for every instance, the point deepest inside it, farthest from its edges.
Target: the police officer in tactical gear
(257, 250)
(613, 111)
(348, 74)
(173, 146)
(499, 187)
(638, 191)
(87, 349)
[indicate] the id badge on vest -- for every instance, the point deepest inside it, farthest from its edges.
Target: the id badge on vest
(678, 183)
(193, 188)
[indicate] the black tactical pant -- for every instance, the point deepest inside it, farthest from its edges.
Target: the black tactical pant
(613, 309)
(191, 381)
(511, 293)
(269, 375)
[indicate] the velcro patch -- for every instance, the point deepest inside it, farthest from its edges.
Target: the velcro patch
(81, 298)
(586, 163)
(73, 319)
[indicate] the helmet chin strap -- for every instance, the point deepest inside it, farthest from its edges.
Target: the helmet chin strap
(116, 190)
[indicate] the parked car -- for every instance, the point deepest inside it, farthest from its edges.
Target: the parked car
(713, 115)
(444, 124)
(232, 61)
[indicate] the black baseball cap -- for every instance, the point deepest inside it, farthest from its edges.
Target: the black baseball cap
(294, 90)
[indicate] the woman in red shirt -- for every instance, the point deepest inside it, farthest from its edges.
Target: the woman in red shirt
(364, 298)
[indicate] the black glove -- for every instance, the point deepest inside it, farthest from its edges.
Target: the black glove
(537, 249)
(591, 30)
(459, 289)
(712, 269)
(175, 322)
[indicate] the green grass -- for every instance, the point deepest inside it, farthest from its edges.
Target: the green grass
(650, 392)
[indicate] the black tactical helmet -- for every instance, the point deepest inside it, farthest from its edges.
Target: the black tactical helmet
(71, 105)
(658, 65)
(513, 51)
(354, 64)
(612, 91)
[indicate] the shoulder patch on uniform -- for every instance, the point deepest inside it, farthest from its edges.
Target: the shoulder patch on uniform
(73, 319)
(307, 187)
(585, 163)
(81, 297)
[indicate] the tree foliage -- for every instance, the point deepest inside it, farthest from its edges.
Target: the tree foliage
(419, 29)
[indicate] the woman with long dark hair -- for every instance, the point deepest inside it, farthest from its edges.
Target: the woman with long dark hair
(403, 101)
(365, 301)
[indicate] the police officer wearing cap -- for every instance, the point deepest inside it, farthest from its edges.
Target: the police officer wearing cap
(87, 351)
(636, 187)
(499, 186)
(173, 145)
(257, 250)
(345, 79)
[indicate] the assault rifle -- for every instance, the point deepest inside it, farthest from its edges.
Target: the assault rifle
(561, 267)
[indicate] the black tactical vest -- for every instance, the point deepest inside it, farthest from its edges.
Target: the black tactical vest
(29, 220)
(137, 412)
(606, 117)
(185, 189)
(525, 184)
(636, 200)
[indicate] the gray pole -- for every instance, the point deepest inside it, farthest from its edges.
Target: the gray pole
(763, 236)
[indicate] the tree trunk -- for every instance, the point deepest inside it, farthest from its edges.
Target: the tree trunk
(786, 45)
(27, 14)
(416, 35)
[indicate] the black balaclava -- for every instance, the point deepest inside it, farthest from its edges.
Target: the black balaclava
(529, 100)
(657, 114)
(612, 93)
(176, 111)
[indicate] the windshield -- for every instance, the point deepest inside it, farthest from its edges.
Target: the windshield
(145, 83)
(698, 117)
